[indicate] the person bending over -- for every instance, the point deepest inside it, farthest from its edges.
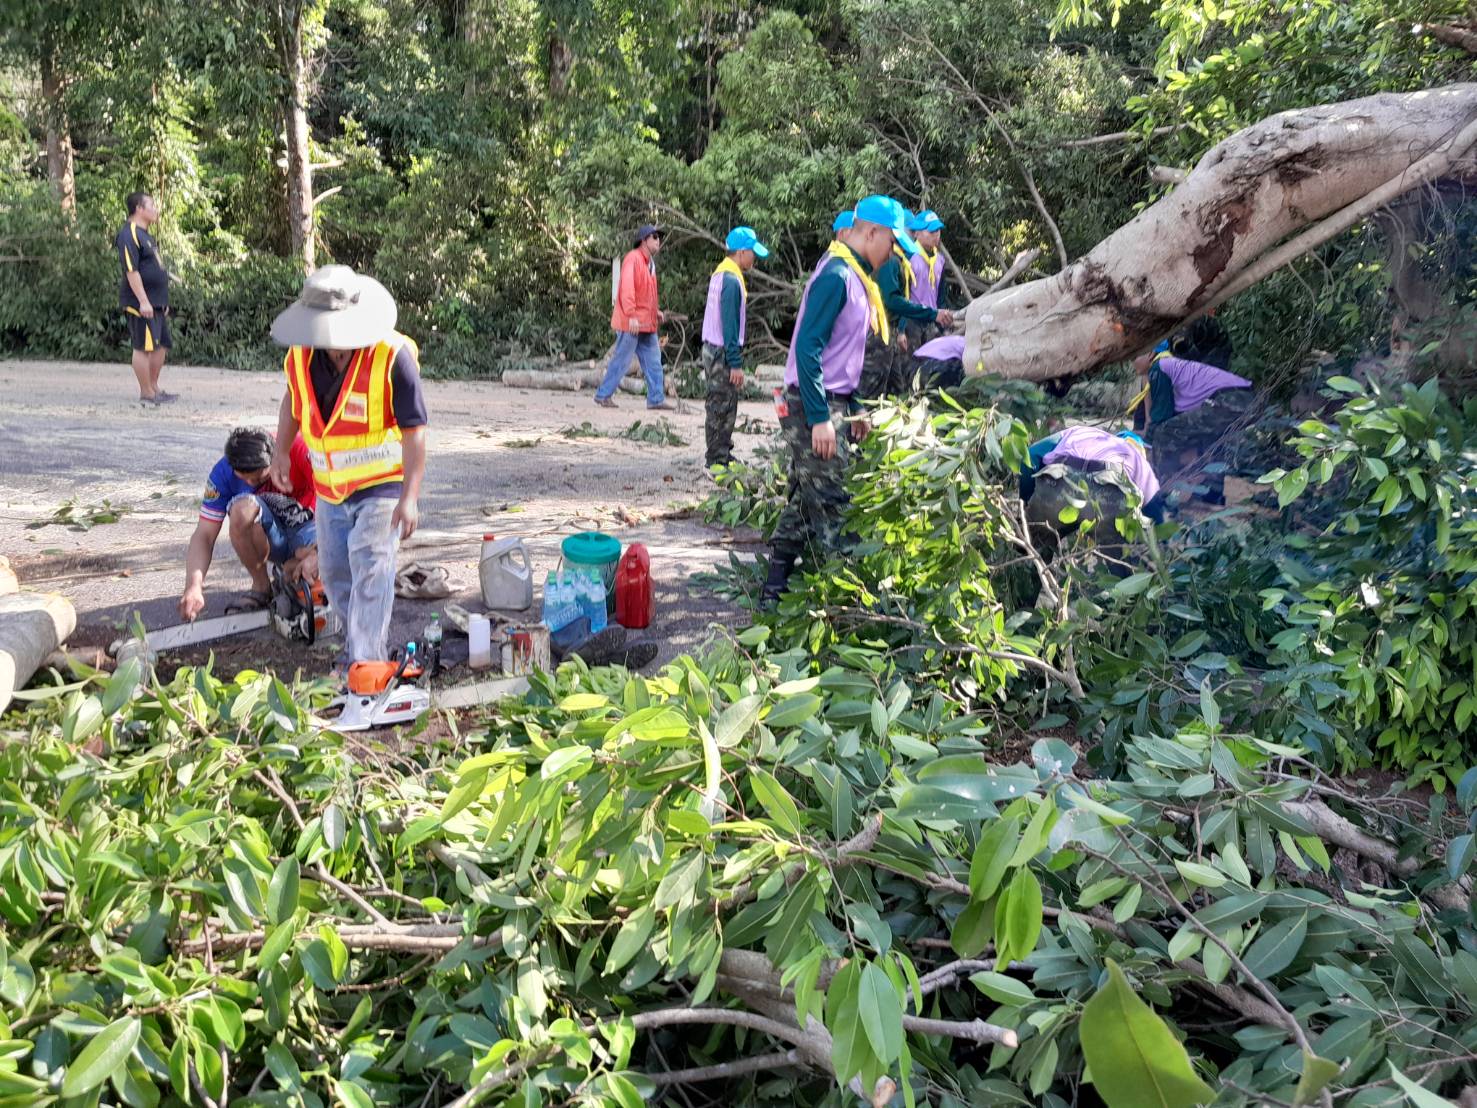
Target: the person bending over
(268, 523)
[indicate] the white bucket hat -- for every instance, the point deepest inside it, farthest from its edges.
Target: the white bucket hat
(338, 309)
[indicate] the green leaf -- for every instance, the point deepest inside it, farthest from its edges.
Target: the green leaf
(625, 1093)
(680, 881)
(102, 1057)
(353, 1095)
(335, 827)
(468, 788)
(850, 1048)
(1459, 855)
(992, 857)
(737, 721)
(881, 1013)
(1419, 1097)
(1317, 1073)
(1290, 487)
(282, 890)
(119, 689)
(1275, 948)
(1198, 874)
(792, 711)
(1018, 917)
(1209, 710)
(1185, 943)
(1002, 989)
(777, 802)
(630, 940)
(84, 718)
(1133, 584)
(583, 702)
(1135, 1059)
(974, 929)
(566, 759)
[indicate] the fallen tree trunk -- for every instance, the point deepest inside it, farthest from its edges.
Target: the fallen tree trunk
(32, 625)
(1225, 222)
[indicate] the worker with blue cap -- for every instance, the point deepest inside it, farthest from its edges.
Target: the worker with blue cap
(725, 323)
(928, 272)
(841, 309)
(886, 363)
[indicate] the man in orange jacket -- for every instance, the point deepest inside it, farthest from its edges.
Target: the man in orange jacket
(634, 318)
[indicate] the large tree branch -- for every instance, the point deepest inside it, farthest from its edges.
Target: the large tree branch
(1433, 165)
(723, 1071)
(1295, 179)
(1463, 37)
(1023, 261)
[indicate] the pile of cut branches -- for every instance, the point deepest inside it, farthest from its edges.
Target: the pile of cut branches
(777, 885)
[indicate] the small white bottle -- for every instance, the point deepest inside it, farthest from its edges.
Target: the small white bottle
(479, 642)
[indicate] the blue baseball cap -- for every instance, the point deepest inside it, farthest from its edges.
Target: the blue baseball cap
(745, 238)
(926, 220)
(1135, 438)
(844, 220)
(887, 212)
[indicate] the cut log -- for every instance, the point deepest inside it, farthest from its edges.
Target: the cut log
(32, 625)
(573, 377)
(1225, 221)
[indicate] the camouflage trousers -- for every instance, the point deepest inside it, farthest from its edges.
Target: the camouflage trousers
(881, 373)
(1180, 441)
(722, 406)
(814, 519)
(1093, 502)
(938, 373)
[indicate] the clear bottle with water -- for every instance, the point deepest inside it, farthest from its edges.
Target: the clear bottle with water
(561, 602)
(432, 638)
(592, 601)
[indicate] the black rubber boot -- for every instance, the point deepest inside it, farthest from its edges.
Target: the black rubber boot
(780, 568)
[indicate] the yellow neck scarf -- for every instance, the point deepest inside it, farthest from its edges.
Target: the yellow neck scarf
(728, 265)
(907, 271)
(874, 294)
(1141, 397)
(933, 260)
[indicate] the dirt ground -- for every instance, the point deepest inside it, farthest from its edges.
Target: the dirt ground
(75, 433)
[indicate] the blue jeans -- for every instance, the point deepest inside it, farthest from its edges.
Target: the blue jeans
(356, 562)
(283, 539)
(648, 352)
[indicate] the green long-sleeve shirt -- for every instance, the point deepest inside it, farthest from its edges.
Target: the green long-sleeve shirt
(890, 281)
(730, 301)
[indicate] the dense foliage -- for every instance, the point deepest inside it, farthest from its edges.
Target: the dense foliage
(487, 158)
(820, 879)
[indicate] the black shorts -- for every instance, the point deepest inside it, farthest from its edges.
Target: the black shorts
(149, 335)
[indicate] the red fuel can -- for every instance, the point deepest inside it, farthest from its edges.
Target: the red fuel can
(634, 604)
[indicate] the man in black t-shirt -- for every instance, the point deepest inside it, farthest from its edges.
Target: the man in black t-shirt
(144, 296)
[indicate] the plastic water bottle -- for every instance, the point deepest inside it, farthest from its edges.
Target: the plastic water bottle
(561, 602)
(432, 636)
(592, 601)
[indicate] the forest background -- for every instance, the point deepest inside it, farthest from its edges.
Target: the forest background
(486, 159)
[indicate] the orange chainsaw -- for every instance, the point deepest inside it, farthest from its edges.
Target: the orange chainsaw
(383, 693)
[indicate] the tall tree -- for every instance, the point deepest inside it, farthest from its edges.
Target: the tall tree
(288, 23)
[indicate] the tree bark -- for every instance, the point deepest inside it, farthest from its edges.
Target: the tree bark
(295, 121)
(60, 161)
(1225, 220)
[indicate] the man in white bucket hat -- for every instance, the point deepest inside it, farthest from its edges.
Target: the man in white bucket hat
(354, 391)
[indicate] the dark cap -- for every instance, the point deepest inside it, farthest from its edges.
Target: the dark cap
(645, 231)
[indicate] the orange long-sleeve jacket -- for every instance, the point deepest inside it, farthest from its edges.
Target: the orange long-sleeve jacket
(636, 296)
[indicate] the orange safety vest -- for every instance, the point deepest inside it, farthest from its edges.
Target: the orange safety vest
(359, 444)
